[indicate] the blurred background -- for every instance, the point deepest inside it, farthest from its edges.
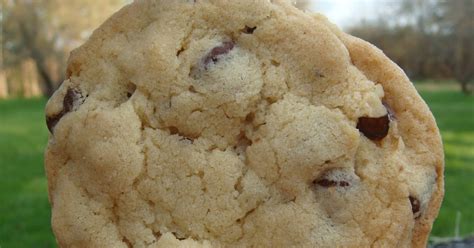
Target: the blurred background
(432, 40)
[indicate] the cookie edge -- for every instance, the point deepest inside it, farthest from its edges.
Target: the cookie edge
(363, 52)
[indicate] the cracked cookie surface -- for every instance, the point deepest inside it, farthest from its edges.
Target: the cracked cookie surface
(238, 124)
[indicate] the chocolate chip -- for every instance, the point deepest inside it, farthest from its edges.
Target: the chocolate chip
(336, 177)
(214, 55)
(72, 98)
(374, 128)
(415, 206)
(248, 30)
(344, 184)
(326, 183)
(331, 183)
(51, 121)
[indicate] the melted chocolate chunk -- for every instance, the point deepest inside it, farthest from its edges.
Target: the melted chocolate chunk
(415, 205)
(344, 184)
(73, 97)
(214, 55)
(51, 121)
(248, 30)
(374, 128)
(331, 183)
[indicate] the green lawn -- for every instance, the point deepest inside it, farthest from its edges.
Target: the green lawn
(454, 114)
(24, 208)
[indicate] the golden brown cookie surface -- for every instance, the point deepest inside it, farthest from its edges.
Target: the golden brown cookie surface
(243, 123)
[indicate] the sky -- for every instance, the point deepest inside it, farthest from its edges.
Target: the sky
(346, 12)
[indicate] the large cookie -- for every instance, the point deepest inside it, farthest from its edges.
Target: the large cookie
(238, 124)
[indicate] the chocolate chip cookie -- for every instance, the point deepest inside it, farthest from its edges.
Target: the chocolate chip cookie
(238, 124)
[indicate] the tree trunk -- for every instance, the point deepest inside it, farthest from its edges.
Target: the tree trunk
(3, 85)
(37, 56)
(48, 84)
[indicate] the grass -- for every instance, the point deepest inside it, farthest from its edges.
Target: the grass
(24, 207)
(25, 211)
(454, 114)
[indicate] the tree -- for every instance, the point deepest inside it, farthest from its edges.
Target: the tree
(427, 38)
(47, 30)
(457, 20)
(451, 24)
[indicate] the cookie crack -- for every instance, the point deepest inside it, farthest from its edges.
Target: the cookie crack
(184, 44)
(243, 220)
